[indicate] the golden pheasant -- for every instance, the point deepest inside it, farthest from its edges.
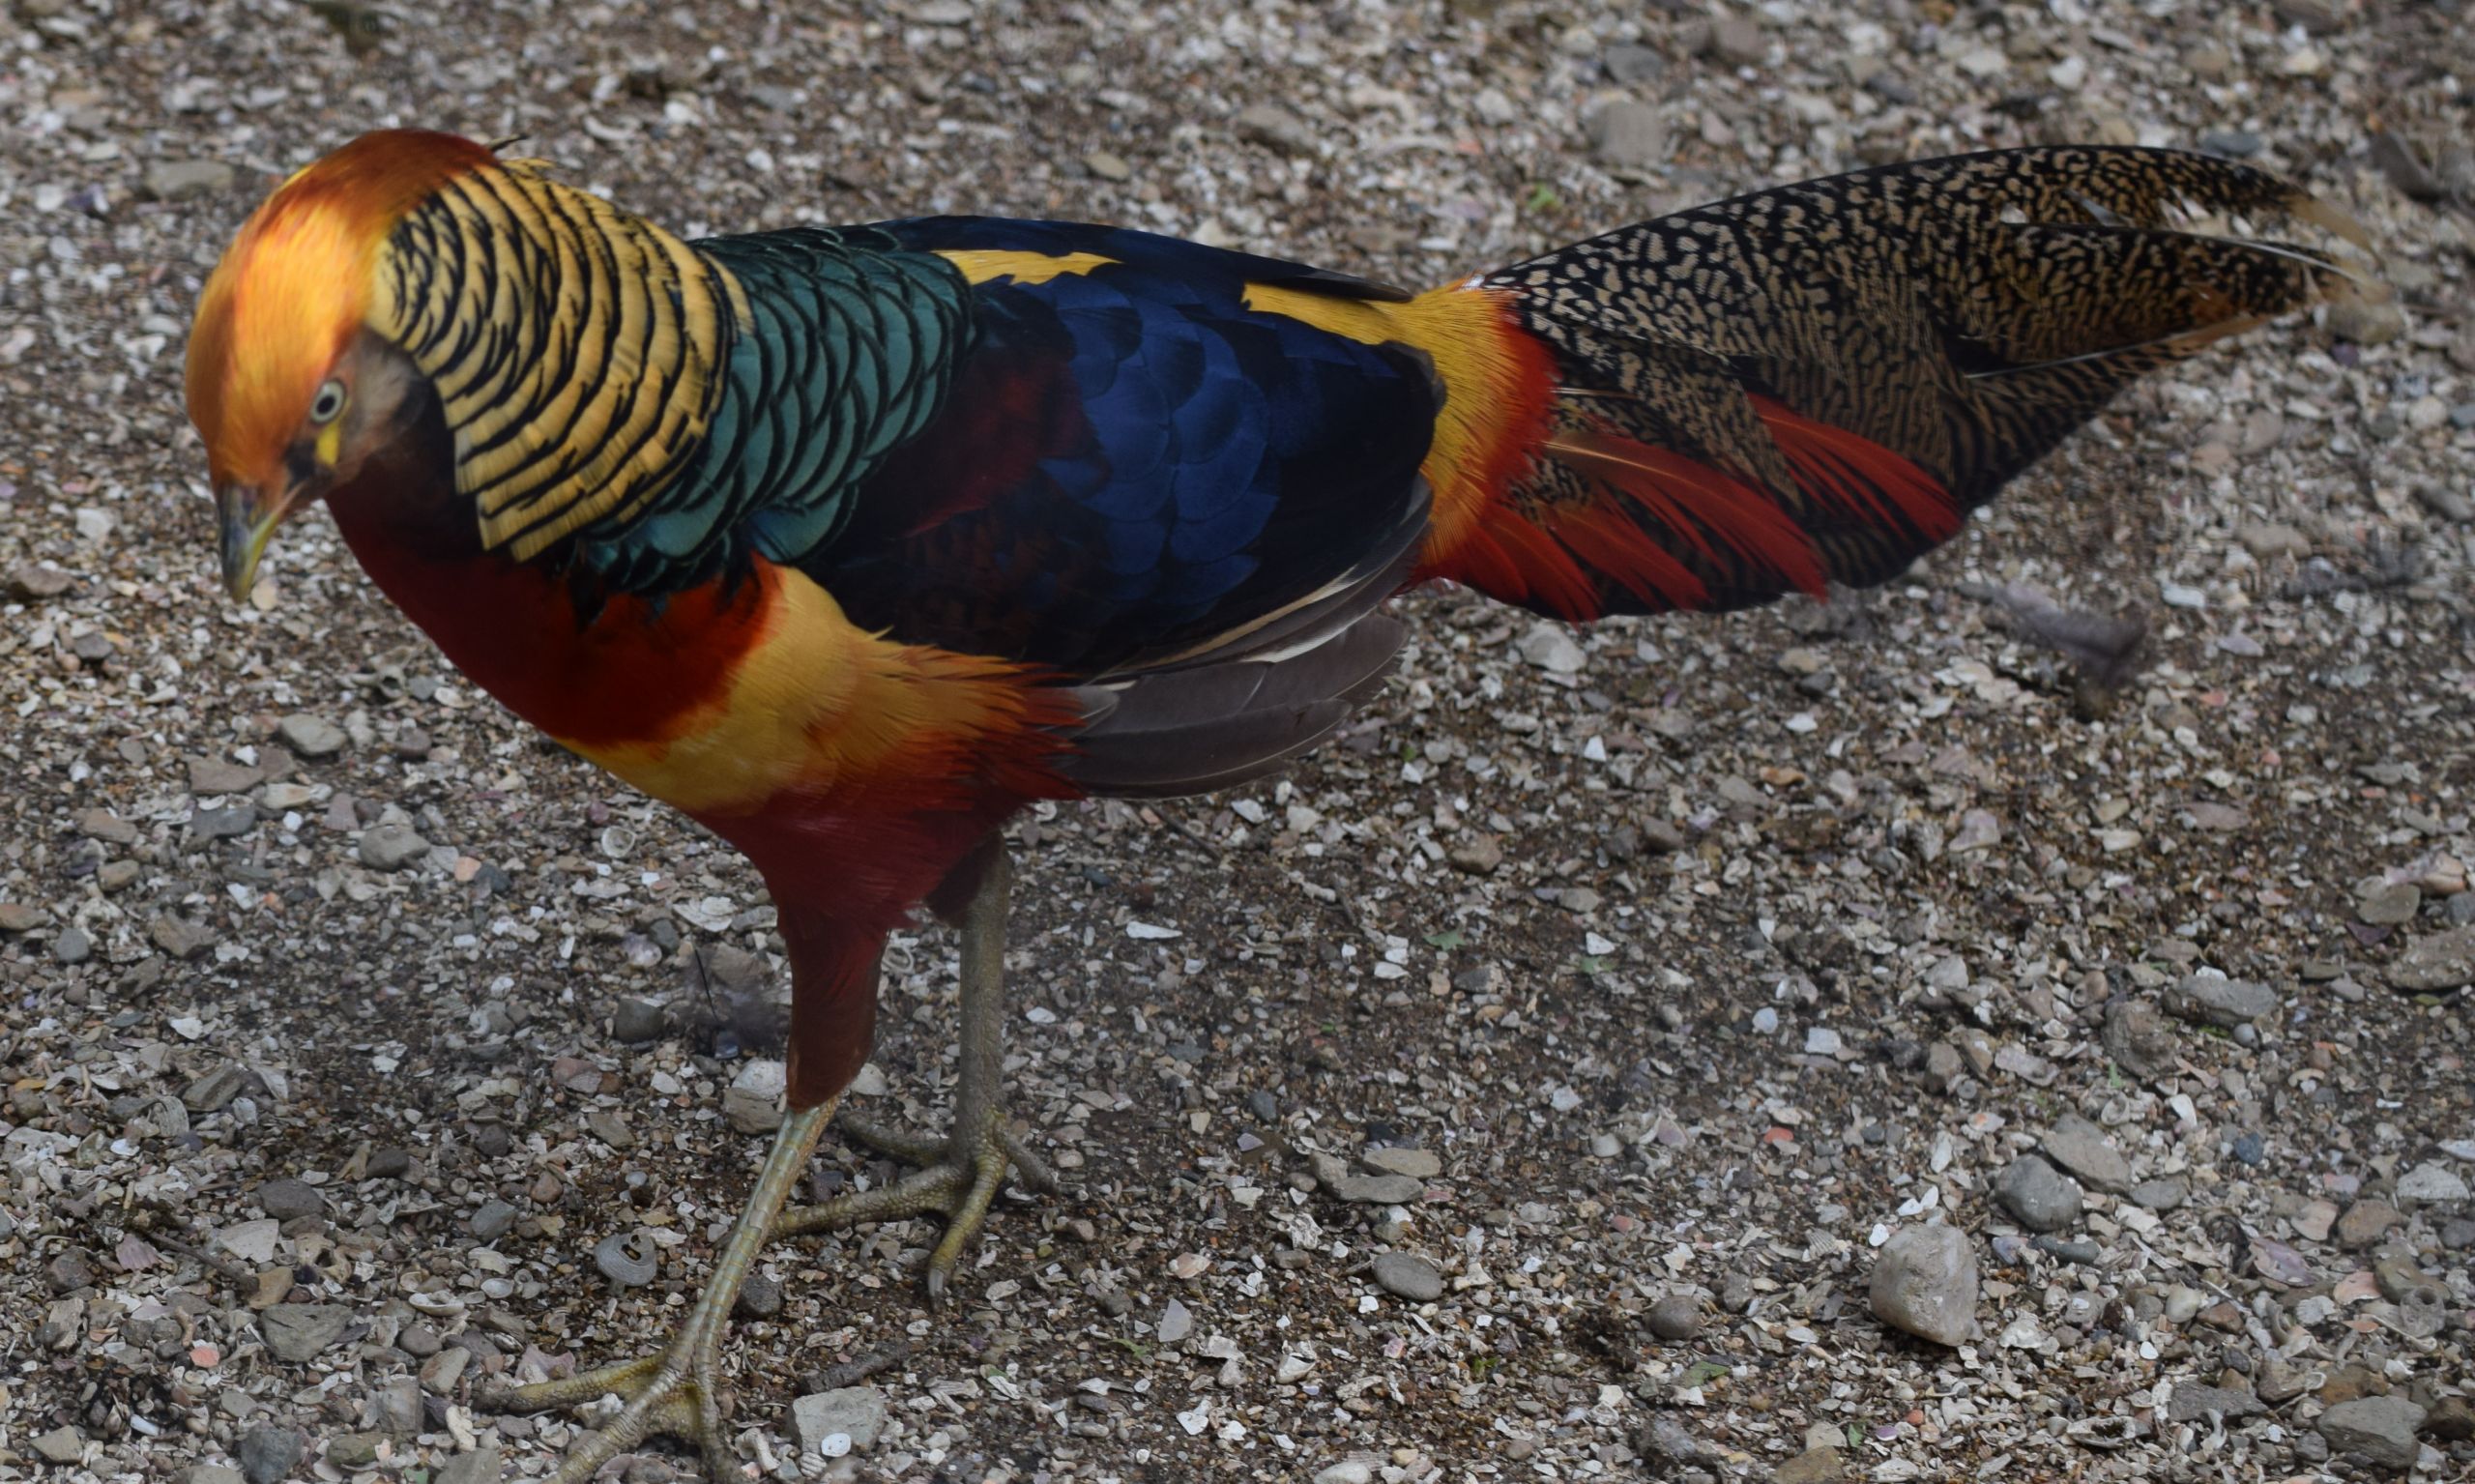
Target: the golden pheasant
(850, 543)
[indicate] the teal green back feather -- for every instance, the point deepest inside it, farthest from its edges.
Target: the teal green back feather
(849, 351)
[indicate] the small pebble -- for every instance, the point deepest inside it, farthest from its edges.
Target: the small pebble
(629, 1258)
(854, 1416)
(1676, 1317)
(287, 1199)
(267, 1453)
(1925, 1282)
(1411, 1276)
(493, 1220)
(759, 1297)
(635, 1021)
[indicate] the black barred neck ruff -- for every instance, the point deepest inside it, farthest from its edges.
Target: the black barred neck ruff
(577, 351)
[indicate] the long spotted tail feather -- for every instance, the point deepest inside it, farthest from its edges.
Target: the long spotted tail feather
(1816, 382)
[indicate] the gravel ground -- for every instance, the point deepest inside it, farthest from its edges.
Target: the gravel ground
(1560, 1079)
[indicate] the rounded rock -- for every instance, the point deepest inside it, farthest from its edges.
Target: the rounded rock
(267, 1453)
(493, 1220)
(629, 1258)
(1676, 1317)
(1408, 1275)
(2040, 1197)
(287, 1199)
(1924, 1282)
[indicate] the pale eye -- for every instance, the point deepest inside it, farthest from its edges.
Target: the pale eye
(329, 404)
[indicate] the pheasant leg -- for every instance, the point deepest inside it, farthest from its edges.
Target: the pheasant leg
(960, 1175)
(678, 1392)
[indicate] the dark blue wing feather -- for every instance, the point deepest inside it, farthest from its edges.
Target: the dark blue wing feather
(1130, 460)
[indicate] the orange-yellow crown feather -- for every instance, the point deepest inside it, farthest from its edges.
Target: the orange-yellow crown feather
(294, 288)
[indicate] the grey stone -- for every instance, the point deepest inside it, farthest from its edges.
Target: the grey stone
(209, 776)
(62, 1445)
(854, 1414)
(1348, 1471)
(2400, 1277)
(753, 1102)
(2380, 1428)
(310, 735)
(216, 1474)
(2038, 1195)
(181, 180)
(1626, 61)
(2313, 15)
(1943, 1068)
(2366, 1222)
(2452, 1419)
(2367, 322)
(1551, 648)
(354, 1451)
(1824, 1465)
(2281, 1382)
(1735, 1293)
(214, 1089)
(1271, 125)
(2214, 999)
(2081, 1148)
(494, 1220)
(1377, 1189)
(481, 1466)
(400, 1408)
(34, 584)
(2436, 963)
(1669, 1442)
(391, 847)
(299, 1331)
(1408, 1275)
(2139, 1039)
(1108, 166)
(1176, 1322)
(104, 826)
(180, 938)
(1676, 1317)
(637, 1021)
(70, 1271)
(629, 1258)
(1736, 39)
(1628, 136)
(2159, 1195)
(267, 1453)
(442, 1371)
(223, 824)
(2433, 1183)
(1388, 1160)
(73, 946)
(2193, 1403)
(1924, 1282)
(2390, 904)
(286, 1199)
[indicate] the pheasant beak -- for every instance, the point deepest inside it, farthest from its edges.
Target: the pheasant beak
(251, 514)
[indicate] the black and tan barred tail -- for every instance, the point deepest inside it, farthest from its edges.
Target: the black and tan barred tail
(1867, 357)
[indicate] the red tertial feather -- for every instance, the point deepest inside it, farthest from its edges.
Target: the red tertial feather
(1701, 505)
(1857, 474)
(1617, 547)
